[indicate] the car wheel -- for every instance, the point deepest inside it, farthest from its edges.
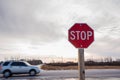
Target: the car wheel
(7, 74)
(32, 73)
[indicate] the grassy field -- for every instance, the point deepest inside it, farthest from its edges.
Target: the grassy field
(49, 67)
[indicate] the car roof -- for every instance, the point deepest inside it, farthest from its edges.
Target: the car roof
(10, 61)
(13, 61)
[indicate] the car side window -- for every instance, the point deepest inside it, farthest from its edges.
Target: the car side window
(18, 64)
(22, 64)
(14, 64)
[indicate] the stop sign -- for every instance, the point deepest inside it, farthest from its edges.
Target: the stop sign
(81, 35)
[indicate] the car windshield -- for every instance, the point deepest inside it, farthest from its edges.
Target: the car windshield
(27, 63)
(6, 63)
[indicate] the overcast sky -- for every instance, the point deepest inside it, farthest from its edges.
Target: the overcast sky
(40, 27)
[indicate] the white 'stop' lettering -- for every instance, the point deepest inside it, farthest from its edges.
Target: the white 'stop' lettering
(80, 35)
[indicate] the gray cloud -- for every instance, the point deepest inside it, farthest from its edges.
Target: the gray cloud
(18, 19)
(41, 21)
(105, 46)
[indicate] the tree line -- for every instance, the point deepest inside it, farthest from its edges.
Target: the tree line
(108, 61)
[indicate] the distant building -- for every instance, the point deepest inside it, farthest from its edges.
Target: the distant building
(35, 62)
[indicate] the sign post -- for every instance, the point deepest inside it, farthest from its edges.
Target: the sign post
(81, 64)
(81, 36)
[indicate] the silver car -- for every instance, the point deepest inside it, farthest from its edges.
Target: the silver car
(8, 68)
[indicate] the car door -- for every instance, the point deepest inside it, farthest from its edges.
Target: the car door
(23, 67)
(15, 68)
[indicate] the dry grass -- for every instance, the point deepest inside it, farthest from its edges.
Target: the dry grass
(48, 67)
(102, 67)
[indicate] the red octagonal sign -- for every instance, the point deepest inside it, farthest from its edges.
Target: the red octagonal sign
(81, 35)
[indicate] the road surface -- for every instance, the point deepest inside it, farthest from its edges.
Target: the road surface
(53, 74)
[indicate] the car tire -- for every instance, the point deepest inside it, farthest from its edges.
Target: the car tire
(7, 74)
(32, 73)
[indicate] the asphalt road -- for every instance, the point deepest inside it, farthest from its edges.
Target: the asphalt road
(52, 74)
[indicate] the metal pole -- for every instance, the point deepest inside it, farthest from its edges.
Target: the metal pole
(81, 64)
